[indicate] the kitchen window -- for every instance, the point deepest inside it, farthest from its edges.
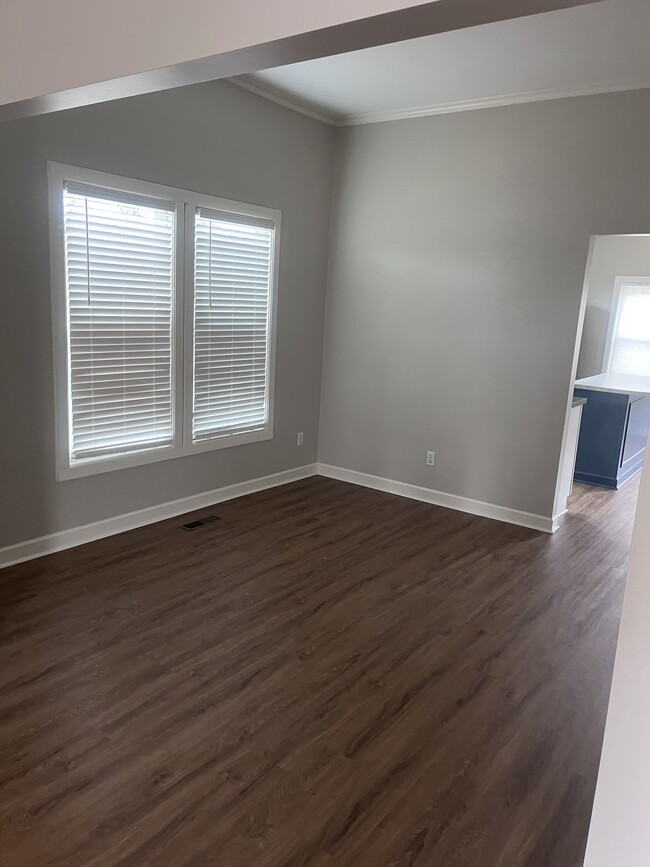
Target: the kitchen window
(628, 345)
(164, 321)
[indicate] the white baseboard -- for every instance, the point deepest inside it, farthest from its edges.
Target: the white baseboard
(439, 498)
(556, 520)
(99, 529)
(33, 548)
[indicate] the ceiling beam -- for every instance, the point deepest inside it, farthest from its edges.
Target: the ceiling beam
(66, 49)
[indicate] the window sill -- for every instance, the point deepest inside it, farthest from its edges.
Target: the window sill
(96, 466)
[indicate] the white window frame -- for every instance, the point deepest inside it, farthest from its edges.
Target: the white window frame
(187, 202)
(614, 314)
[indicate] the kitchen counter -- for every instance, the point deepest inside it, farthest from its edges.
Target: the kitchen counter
(616, 383)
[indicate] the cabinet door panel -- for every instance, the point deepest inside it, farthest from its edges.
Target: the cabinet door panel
(636, 433)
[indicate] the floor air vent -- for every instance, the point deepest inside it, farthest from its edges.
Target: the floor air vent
(194, 525)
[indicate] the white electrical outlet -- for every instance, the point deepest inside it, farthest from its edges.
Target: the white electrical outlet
(431, 458)
(301, 438)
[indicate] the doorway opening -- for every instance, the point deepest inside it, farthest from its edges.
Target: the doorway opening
(609, 417)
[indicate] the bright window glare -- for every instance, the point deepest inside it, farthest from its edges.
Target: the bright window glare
(630, 348)
(634, 320)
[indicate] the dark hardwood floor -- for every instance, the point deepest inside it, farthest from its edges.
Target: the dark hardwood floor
(326, 676)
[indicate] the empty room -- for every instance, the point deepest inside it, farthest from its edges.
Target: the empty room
(324, 532)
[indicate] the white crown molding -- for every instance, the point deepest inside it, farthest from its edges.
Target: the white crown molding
(283, 99)
(490, 102)
(518, 98)
(440, 498)
(33, 548)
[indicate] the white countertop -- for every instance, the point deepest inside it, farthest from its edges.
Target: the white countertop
(617, 383)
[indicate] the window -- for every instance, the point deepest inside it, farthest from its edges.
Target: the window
(232, 267)
(119, 256)
(164, 307)
(628, 349)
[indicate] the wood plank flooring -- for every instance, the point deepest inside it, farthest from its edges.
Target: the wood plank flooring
(325, 676)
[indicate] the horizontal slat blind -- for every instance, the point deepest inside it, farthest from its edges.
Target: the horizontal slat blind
(631, 343)
(232, 284)
(120, 286)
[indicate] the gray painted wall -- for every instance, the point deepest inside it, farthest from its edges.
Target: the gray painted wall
(613, 256)
(458, 253)
(457, 260)
(217, 139)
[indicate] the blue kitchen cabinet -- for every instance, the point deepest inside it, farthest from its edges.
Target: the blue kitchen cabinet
(613, 436)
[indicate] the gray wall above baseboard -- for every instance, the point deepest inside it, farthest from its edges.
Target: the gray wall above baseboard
(457, 261)
(214, 138)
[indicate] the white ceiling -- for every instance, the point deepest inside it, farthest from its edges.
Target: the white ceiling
(588, 49)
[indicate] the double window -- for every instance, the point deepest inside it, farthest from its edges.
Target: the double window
(628, 343)
(163, 321)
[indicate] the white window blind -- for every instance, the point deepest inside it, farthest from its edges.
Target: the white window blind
(119, 263)
(630, 347)
(232, 282)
